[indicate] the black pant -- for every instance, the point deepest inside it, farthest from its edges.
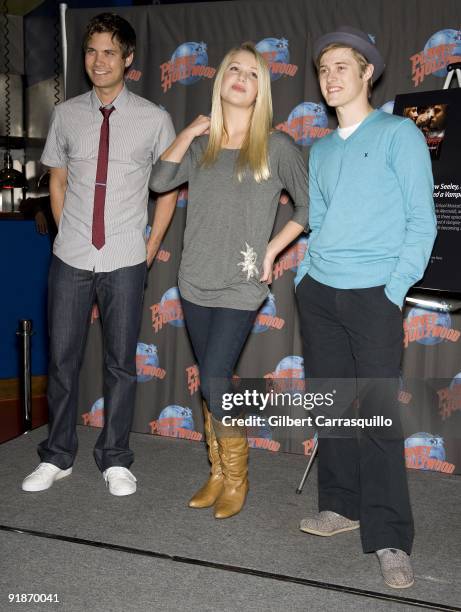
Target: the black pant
(71, 294)
(357, 333)
(218, 336)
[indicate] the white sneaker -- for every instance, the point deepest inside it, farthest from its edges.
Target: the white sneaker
(43, 477)
(120, 481)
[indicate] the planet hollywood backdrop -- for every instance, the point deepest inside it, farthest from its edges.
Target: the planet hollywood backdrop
(179, 48)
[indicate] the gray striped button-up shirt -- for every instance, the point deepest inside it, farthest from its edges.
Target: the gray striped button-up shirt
(139, 133)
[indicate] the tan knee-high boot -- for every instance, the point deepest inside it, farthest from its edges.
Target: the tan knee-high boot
(233, 452)
(208, 494)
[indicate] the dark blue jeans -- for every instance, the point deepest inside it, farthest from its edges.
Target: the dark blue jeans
(218, 336)
(71, 295)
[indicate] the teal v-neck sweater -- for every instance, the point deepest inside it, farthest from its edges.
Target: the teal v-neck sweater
(371, 207)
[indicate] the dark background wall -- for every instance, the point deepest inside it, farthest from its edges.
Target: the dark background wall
(416, 37)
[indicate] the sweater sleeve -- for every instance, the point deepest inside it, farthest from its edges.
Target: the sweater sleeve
(411, 163)
(293, 174)
(317, 211)
(167, 175)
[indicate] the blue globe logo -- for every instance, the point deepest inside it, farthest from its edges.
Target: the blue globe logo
(146, 358)
(456, 381)
(175, 417)
(428, 318)
(289, 375)
(268, 308)
(170, 307)
(96, 415)
(186, 56)
(434, 442)
(388, 107)
(304, 117)
(290, 367)
(275, 51)
(445, 37)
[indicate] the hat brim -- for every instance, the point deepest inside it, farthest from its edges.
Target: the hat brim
(367, 49)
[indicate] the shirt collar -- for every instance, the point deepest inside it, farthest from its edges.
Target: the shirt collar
(120, 101)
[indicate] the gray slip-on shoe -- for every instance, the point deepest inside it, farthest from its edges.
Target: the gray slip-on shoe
(396, 568)
(327, 523)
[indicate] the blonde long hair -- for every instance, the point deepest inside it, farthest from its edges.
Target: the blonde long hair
(254, 153)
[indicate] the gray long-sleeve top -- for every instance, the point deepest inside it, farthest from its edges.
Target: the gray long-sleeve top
(229, 223)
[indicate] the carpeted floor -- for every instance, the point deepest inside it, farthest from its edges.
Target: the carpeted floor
(100, 580)
(263, 539)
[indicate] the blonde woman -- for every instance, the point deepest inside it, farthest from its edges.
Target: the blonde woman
(236, 166)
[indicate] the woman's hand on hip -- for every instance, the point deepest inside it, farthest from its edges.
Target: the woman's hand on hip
(268, 264)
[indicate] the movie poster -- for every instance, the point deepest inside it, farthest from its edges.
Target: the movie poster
(431, 120)
(438, 115)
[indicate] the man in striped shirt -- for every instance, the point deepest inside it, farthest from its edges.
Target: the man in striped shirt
(100, 147)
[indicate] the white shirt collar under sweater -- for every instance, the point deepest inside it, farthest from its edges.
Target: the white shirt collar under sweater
(347, 131)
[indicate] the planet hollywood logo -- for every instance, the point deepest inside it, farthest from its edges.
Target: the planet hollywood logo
(442, 48)
(162, 254)
(428, 328)
(267, 317)
(181, 201)
(290, 259)
(188, 65)
(425, 451)
(133, 75)
(306, 123)
(404, 397)
(193, 378)
(450, 398)
(260, 436)
(276, 52)
(168, 310)
(94, 314)
(175, 421)
(284, 199)
(290, 367)
(95, 417)
(147, 363)
(309, 445)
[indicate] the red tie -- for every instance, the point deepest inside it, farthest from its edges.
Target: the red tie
(98, 238)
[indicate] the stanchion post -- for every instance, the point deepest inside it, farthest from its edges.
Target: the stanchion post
(309, 464)
(25, 332)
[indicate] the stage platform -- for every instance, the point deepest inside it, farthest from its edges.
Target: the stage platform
(149, 551)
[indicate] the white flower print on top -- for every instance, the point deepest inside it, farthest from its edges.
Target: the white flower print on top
(249, 262)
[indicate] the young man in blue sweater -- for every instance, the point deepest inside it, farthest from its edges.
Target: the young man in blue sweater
(373, 228)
